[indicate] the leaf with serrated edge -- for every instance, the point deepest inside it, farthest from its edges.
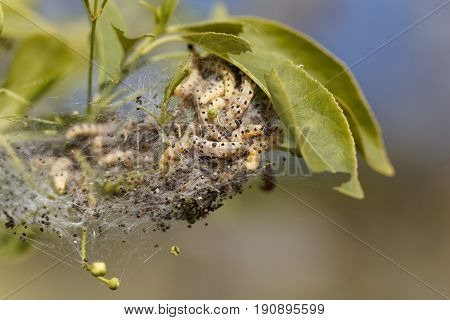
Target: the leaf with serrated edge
(266, 35)
(317, 123)
(258, 64)
(126, 42)
(219, 43)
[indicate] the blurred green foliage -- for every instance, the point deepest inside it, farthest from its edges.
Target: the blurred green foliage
(38, 62)
(11, 246)
(109, 51)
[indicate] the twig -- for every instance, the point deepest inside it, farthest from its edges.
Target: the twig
(83, 244)
(94, 15)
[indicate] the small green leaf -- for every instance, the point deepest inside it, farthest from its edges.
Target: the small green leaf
(182, 72)
(219, 43)
(229, 27)
(128, 43)
(108, 47)
(166, 10)
(37, 64)
(265, 35)
(315, 121)
(218, 11)
(162, 14)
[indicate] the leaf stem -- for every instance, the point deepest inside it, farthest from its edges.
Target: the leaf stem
(150, 113)
(105, 2)
(15, 96)
(292, 151)
(83, 244)
(95, 9)
(104, 280)
(94, 14)
(97, 269)
(91, 66)
(88, 7)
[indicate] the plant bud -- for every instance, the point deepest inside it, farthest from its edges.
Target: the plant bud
(114, 283)
(98, 269)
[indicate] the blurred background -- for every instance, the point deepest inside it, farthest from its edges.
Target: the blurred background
(273, 246)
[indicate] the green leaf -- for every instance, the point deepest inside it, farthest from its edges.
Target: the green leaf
(219, 43)
(166, 10)
(128, 43)
(108, 47)
(314, 119)
(219, 11)
(182, 72)
(229, 27)
(37, 64)
(162, 14)
(265, 35)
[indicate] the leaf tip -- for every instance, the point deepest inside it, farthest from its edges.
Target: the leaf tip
(382, 165)
(388, 171)
(352, 189)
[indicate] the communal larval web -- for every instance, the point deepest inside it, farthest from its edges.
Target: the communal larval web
(126, 179)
